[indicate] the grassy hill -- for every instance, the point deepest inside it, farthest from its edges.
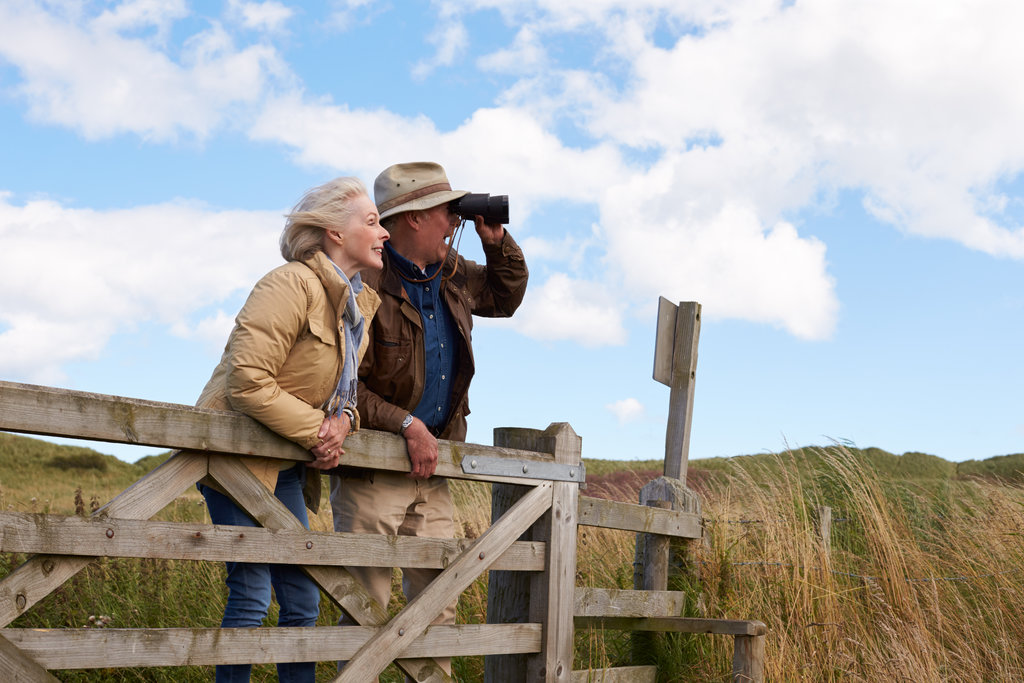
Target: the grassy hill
(920, 579)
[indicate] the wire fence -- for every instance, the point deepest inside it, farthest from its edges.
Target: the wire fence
(866, 577)
(852, 575)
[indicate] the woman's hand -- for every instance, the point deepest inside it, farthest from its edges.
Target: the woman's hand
(332, 435)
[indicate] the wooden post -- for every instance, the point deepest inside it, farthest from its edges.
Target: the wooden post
(748, 659)
(824, 527)
(545, 597)
(675, 364)
(654, 552)
(508, 593)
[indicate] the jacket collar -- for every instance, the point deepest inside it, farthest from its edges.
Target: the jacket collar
(335, 286)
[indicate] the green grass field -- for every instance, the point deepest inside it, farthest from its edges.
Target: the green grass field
(922, 580)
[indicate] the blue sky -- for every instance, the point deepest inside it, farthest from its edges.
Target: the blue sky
(839, 184)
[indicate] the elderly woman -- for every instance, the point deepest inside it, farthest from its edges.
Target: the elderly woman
(291, 363)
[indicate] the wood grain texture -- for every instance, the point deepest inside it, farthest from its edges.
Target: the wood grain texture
(611, 602)
(50, 411)
(729, 627)
(619, 674)
(245, 489)
(552, 592)
(391, 640)
(748, 659)
(684, 377)
(18, 666)
(40, 575)
(612, 514)
(111, 647)
(50, 534)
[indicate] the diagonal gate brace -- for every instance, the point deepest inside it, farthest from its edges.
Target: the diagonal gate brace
(391, 640)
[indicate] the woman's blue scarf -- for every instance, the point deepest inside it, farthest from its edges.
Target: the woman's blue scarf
(352, 324)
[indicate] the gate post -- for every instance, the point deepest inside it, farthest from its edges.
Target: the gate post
(539, 597)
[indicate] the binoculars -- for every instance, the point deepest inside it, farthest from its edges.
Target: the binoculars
(494, 208)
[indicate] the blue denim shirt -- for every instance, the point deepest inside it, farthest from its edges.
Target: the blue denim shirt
(439, 340)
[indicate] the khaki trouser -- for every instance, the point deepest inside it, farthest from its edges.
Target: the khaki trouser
(392, 503)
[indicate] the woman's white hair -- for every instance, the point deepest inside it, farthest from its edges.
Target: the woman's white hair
(326, 207)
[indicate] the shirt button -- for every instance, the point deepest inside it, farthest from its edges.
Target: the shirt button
(428, 288)
(439, 409)
(442, 376)
(431, 316)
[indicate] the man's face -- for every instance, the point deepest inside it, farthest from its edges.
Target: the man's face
(440, 225)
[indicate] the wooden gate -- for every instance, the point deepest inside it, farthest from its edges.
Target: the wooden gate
(529, 636)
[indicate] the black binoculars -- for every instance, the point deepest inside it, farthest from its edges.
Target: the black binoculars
(494, 209)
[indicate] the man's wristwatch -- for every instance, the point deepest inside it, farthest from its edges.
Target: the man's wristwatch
(405, 424)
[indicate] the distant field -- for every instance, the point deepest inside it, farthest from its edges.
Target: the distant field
(921, 579)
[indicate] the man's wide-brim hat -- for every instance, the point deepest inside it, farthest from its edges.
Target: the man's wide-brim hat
(412, 186)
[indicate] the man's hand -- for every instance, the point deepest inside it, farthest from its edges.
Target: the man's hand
(422, 447)
(490, 234)
(332, 435)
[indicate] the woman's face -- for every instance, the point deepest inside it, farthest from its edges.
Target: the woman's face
(363, 238)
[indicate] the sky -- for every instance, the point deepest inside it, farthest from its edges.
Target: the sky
(838, 183)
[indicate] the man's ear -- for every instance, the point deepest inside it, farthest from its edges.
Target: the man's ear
(414, 219)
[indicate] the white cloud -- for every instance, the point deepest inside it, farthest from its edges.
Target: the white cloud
(267, 16)
(344, 13)
(626, 410)
(722, 256)
(909, 106)
(90, 77)
(567, 309)
(715, 251)
(72, 278)
(449, 39)
(213, 329)
(526, 53)
(141, 14)
(749, 113)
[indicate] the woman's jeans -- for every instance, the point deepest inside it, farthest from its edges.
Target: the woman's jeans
(249, 584)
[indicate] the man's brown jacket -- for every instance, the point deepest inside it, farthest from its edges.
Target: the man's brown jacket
(391, 375)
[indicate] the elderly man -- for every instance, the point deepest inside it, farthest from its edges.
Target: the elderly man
(414, 379)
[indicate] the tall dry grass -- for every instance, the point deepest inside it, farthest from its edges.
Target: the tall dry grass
(922, 581)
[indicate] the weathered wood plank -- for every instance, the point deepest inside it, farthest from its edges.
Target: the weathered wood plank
(17, 666)
(245, 489)
(664, 341)
(680, 402)
(605, 602)
(748, 659)
(619, 674)
(50, 534)
(508, 593)
(612, 514)
(49, 411)
(391, 640)
(249, 494)
(561, 581)
(112, 647)
(728, 627)
(655, 553)
(553, 591)
(63, 412)
(40, 575)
